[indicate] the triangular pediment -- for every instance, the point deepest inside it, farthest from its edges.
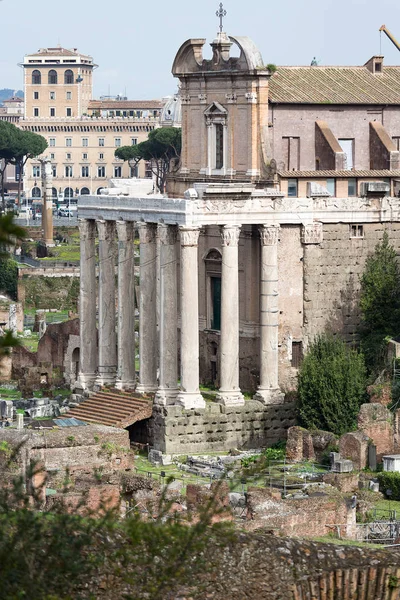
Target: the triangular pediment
(215, 109)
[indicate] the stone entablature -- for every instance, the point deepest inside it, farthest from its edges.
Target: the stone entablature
(239, 206)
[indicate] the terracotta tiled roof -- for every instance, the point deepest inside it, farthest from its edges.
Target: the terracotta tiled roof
(56, 52)
(334, 85)
(125, 104)
(324, 174)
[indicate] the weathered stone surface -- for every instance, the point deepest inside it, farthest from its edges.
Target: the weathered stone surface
(215, 428)
(354, 446)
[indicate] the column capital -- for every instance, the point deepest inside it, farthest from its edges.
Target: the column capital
(269, 234)
(106, 230)
(168, 234)
(125, 231)
(147, 233)
(230, 235)
(189, 236)
(87, 229)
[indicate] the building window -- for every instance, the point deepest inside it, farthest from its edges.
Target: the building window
(101, 171)
(291, 149)
(117, 142)
(134, 171)
(348, 148)
(219, 146)
(52, 95)
(54, 170)
(35, 112)
(68, 171)
(54, 193)
(148, 171)
(85, 171)
(68, 96)
(36, 171)
(117, 172)
(68, 192)
(396, 142)
(85, 142)
(36, 95)
(85, 191)
(68, 77)
(52, 142)
(52, 77)
(36, 192)
(69, 112)
(352, 187)
(297, 354)
(331, 186)
(101, 156)
(68, 142)
(52, 112)
(292, 188)
(356, 231)
(36, 77)
(68, 156)
(52, 156)
(84, 156)
(101, 141)
(134, 141)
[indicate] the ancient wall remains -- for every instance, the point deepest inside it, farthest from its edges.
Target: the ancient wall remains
(174, 430)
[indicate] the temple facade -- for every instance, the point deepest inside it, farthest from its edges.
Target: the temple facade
(239, 267)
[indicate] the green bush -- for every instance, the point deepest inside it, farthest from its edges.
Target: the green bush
(379, 304)
(331, 386)
(389, 480)
(8, 277)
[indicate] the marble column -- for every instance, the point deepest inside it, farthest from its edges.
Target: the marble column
(189, 395)
(107, 369)
(229, 392)
(168, 383)
(87, 305)
(148, 309)
(126, 377)
(268, 391)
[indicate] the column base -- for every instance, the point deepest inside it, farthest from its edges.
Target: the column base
(85, 381)
(270, 396)
(105, 377)
(143, 388)
(190, 400)
(232, 398)
(165, 396)
(125, 385)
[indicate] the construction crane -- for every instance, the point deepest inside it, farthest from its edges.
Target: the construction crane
(390, 36)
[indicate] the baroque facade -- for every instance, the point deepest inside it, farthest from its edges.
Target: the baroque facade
(266, 249)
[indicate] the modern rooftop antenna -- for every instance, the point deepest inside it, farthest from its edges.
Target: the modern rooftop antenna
(221, 13)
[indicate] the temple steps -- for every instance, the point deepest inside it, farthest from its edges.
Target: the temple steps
(113, 408)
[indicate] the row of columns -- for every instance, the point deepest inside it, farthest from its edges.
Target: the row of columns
(158, 349)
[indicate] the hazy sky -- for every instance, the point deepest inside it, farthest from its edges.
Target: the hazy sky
(134, 43)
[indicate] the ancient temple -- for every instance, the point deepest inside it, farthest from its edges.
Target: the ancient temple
(237, 272)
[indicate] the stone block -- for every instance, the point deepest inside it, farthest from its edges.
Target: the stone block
(354, 446)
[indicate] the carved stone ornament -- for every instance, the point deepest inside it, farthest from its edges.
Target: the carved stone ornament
(230, 235)
(147, 233)
(125, 231)
(251, 97)
(87, 229)
(185, 98)
(203, 98)
(231, 98)
(189, 237)
(106, 231)
(168, 234)
(269, 235)
(312, 233)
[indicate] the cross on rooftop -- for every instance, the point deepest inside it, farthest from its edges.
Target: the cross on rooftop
(221, 13)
